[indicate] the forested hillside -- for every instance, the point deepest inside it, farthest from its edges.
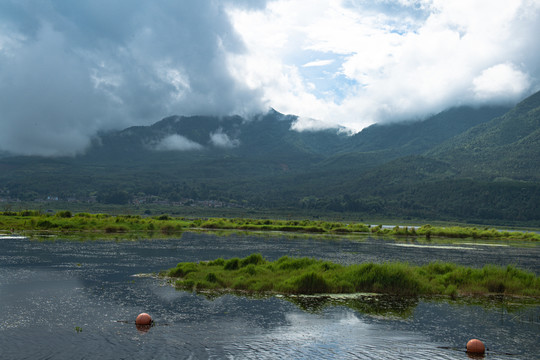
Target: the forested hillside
(468, 164)
(507, 147)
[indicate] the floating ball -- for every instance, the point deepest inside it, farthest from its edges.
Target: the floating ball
(475, 346)
(143, 319)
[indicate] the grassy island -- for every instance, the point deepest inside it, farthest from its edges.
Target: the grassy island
(67, 222)
(254, 274)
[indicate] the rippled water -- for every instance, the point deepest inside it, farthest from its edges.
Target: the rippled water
(50, 289)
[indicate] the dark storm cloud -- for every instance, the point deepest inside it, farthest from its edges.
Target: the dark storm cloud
(71, 68)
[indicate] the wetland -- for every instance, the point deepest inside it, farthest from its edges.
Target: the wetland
(78, 299)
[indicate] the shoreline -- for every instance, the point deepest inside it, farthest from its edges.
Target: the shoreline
(65, 222)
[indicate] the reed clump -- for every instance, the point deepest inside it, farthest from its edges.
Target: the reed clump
(287, 275)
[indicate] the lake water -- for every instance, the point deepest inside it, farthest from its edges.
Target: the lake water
(66, 299)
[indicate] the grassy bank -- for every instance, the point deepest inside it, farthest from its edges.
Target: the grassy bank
(195, 211)
(254, 274)
(65, 221)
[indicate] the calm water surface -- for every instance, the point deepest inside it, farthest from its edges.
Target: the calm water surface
(50, 289)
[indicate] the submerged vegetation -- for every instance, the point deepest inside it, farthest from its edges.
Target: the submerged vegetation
(67, 222)
(254, 274)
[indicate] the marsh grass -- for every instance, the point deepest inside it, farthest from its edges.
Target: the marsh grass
(65, 221)
(287, 275)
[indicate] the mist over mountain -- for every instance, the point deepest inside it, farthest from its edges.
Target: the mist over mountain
(70, 70)
(467, 163)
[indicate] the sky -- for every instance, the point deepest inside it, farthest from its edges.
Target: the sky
(70, 69)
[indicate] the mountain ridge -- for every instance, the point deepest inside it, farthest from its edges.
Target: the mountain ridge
(262, 162)
(506, 146)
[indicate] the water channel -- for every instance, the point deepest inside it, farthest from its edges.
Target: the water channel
(77, 299)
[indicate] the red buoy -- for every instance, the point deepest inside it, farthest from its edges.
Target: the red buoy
(475, 346)
(143, 319)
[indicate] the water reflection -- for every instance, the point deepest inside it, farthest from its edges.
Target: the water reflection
(143, 329)
(370, 304)
(341, 334)
(49, 288)
(475, 356)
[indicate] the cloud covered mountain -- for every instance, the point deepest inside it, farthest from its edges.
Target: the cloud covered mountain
(72, 69)
(466, 163)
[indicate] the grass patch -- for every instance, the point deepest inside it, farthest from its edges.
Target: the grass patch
(66, 221)
(287, 275)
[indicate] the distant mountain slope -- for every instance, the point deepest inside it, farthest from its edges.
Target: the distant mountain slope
(267, 138)
(478, 164)
(378, 144)
(270, 136)
(505, 147)
(415, 137)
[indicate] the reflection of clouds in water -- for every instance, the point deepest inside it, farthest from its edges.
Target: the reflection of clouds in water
(446, 247)
(29, 298)
(483, 244)
(311, 330)
(341, 334)
(12, 237)
(350, 319)
(315, 335)
(315, 327)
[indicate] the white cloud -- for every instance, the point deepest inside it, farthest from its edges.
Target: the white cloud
(318, 63)
(69, 69)
(500, 82)
(177, 142)
(222, 140)
(391, 60)
(310, 124)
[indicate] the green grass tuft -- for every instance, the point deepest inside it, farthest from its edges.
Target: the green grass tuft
(310, 276)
